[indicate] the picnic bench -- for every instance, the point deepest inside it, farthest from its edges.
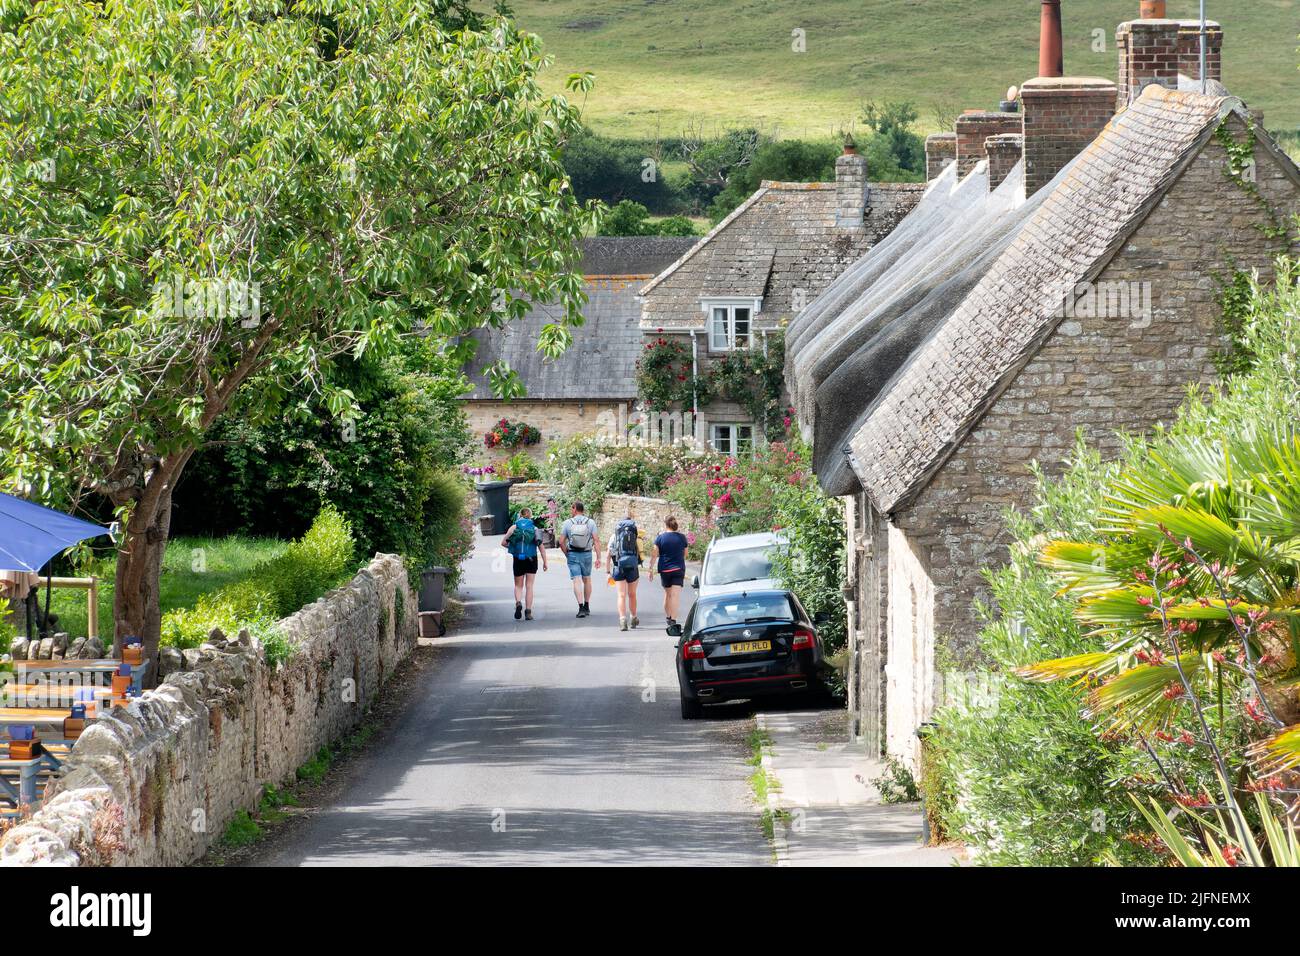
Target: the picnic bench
(23, 670)
(49, 695)
(19, 778)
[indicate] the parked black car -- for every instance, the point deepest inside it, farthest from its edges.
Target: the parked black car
(746, 645)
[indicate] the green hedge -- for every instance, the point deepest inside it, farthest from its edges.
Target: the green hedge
(320, 560)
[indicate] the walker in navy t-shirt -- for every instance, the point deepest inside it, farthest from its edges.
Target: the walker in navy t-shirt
(672, 557)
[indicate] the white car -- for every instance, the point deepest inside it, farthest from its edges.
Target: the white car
(742, 563)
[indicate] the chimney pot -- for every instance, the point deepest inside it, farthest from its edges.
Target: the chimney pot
(1051, 59)
(1153, 10)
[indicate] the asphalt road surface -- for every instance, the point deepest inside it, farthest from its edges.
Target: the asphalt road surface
(555, 741)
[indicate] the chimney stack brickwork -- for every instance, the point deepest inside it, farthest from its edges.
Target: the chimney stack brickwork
(1004, 151)
(1062, 116)
(973, 129)
(940, 150)
(1157, 51)
(850, 190)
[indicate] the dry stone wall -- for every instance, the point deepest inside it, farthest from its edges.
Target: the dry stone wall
(173, 768)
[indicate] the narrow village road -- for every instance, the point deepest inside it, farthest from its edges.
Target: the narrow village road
(532, 743)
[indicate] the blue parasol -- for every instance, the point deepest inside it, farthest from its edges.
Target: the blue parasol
(30, 535)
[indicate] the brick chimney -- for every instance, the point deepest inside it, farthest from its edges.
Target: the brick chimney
(850, 187)
(940, 150)
(1004, 151)
(973, 128)
(1062, 114)
(1155, 50)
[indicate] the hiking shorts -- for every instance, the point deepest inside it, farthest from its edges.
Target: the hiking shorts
(672, 579)
(525, 566)
(579, 564)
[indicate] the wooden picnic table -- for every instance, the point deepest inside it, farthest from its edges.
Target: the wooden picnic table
(107, 666)
(28, 772)
(39, 716)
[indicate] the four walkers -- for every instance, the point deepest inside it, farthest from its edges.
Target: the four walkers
(578, 539)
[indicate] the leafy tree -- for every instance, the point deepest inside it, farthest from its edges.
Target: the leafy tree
(313, 178)
(893, 122)
(788, 160)
(615, 170)
(633, 219)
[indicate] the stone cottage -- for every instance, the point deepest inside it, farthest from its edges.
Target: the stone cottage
(761, 266)
(1080, 292)
(594, 382)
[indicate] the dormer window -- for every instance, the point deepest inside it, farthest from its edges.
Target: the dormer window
(731, 323)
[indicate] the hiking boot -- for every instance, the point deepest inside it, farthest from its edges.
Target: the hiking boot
(636, 622)
(528, 614)
(519, 610)
(582, 610)
(622, 624)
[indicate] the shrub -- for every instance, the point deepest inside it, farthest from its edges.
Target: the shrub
(587, 470)
(321, 560)
(448, 533)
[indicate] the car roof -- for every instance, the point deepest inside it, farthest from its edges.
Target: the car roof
(742, 542)
(754, 592)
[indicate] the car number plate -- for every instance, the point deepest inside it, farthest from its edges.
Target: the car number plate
(750, 647)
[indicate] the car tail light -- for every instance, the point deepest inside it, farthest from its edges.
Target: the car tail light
(693, 650)
(803, 639)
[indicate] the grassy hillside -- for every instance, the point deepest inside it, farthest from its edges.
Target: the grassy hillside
(661, 64)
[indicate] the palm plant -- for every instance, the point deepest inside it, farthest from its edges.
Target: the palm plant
(1193, 584)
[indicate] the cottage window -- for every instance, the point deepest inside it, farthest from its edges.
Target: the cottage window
(730, 328)
(732, 439)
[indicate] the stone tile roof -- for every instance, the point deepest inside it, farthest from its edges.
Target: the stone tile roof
(601, 362)
(884, 307)
(1090, 209)
(781, 243)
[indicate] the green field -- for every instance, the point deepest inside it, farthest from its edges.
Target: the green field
(662, 65)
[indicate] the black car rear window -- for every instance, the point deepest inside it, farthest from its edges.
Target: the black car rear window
(740, 608)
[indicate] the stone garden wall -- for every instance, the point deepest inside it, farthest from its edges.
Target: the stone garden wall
(173, 768)
(649, 514)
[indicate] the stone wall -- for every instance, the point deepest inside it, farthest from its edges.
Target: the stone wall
(555, 420)
(183, 759)
(649, 514)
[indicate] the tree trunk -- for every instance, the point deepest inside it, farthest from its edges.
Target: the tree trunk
(136, 608)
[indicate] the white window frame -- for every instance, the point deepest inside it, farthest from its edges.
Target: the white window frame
(708, 305)
(734, 438)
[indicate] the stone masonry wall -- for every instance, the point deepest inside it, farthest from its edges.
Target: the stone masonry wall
(1099, 374)
(555, 420)
(183, 759)
(649, 514)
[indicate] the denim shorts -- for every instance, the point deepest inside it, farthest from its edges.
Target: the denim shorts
(579, 564)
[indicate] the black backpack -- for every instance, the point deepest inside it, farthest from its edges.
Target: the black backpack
(625, 544)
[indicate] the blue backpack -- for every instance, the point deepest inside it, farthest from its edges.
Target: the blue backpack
(625, 545)
(523, 543)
